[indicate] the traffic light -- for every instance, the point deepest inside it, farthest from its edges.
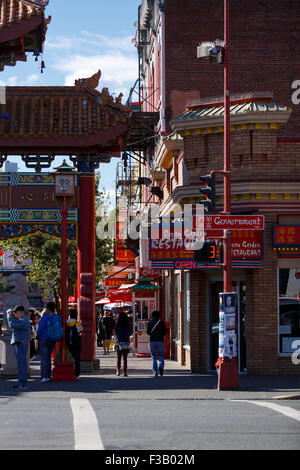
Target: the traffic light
(206, 253)
(209, 192)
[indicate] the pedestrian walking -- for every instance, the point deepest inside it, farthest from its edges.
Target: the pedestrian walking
(157, 329)
(46, 340)
(18, 321)
(122, 332)
(107, 327)
(73, 339)
(99, 330)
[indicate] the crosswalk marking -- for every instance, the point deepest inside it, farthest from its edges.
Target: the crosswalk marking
(86, 427)
(285, 410)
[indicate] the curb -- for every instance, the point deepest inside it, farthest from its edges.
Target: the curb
(287, 397)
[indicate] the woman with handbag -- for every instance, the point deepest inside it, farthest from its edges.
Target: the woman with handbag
(122, 332)
(157, 329)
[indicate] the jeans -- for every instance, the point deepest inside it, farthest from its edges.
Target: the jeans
(46, 349)
(157, 347)
(21, 350)
(120, 353)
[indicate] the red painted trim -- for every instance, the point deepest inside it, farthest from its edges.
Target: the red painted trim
(285, 140)
(221, 103)
(61, 142)
(17, 30)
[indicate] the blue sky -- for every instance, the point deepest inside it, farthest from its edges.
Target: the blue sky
(82, 37)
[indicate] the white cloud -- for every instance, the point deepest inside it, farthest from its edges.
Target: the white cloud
(119, 71)
(87, 52)
(33, 78)
(12, 81)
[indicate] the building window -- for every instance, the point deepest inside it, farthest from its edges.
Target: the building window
(187, 307)
(289, 309)
(167, 298)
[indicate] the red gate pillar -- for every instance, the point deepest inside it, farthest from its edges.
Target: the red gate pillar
(86, 259)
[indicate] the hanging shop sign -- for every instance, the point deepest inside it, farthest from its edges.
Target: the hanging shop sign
(122, 253)
(227, 324)
(116, 281)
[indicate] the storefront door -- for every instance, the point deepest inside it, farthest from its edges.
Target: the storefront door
(214, 289)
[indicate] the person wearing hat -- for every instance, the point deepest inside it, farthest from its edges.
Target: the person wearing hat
(18, 321)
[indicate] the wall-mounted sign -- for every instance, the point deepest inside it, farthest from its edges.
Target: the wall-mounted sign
(286, 236)
(246, 245)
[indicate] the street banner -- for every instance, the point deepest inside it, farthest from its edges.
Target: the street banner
(227, 324)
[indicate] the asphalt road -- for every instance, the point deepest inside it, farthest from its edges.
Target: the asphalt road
(40, 423)
(174, 412)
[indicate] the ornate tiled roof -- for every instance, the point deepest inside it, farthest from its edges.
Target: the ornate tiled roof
(15, 11)
(23, 29)
(247, 110)
(59, 112)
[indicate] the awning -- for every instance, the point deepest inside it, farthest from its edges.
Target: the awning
(104, 301)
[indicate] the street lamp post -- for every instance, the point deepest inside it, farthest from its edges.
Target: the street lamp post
(64, 183)
(228, 374)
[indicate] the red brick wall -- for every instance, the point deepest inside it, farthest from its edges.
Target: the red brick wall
(265, 36)
(254, 155)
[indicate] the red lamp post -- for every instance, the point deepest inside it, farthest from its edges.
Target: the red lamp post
(228, 373)
(64, 182)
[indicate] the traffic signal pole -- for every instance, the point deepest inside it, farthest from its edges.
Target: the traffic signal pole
(228, 372)
(227, 279)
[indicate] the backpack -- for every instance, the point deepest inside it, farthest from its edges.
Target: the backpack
(55, 330)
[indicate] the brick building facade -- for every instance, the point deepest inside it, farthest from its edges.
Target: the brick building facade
(265, 146)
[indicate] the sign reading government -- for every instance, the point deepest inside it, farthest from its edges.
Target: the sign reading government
(231, 222)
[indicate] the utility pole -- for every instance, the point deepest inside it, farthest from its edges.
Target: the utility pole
(227, 280)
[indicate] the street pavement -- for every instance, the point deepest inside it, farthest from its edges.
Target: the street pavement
(179, 411)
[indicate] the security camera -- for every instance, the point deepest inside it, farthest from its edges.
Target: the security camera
(213, 51)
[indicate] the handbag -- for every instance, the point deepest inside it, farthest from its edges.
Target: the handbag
(124, 345)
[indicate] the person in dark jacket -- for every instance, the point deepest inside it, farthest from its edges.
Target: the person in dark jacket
(107, 326)
(157, 329)
(122, 332)
(73, 339)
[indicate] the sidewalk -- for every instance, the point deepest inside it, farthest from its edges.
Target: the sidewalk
(176, 384)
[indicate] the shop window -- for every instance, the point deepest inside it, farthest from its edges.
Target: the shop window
(167, 298)
(187, 307)
(289, 309)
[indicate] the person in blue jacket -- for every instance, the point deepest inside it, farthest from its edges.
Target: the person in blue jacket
(46, 346)
(18, 321)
